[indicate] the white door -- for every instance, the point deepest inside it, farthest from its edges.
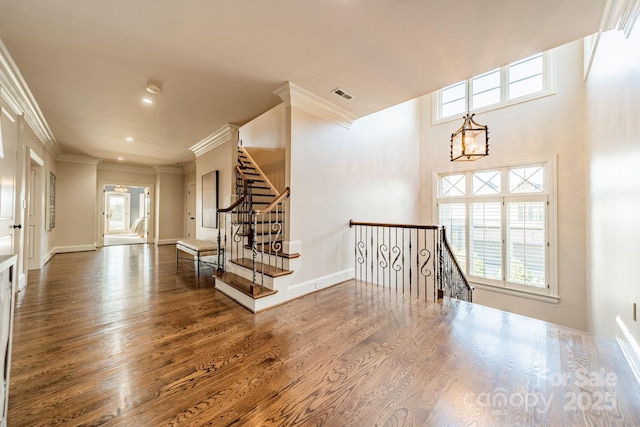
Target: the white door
(8, 244)
(34, 218)
(191, 211)
(117, 208)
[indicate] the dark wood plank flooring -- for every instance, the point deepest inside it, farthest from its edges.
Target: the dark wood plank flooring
(118, 337)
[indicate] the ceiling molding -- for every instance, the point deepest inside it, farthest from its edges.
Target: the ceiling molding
(175, 170)
(189, 167)
(78, 158)
(629, 16)
(295, 96)
(117, 167)
(219, 137)
(17, 93)
(621, 15)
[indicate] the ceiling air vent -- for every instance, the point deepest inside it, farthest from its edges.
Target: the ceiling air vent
(342, 94)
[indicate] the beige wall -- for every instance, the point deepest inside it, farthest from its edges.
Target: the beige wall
(265, 139)
(222, 158)
(613, 98)
(537, 129)
(75, 206)
(169, 205)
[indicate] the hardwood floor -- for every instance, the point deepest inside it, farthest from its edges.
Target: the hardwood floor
(117, 337)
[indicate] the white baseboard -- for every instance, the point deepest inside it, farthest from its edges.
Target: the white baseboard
(78, 248)
(47, 257)
(160, 242)
(299, 289)
(629, 347)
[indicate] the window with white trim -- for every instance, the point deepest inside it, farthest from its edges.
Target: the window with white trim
(519, 81)
(500, 224)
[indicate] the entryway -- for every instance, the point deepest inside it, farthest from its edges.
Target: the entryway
(126, 214)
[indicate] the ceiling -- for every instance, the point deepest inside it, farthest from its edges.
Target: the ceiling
(87, 61)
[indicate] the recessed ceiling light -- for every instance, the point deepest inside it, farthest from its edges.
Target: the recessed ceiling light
(153, 87)
(129, 139)
(120, 158)
(147, 100)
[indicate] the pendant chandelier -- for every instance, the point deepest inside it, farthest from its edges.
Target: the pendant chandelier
(471, 141)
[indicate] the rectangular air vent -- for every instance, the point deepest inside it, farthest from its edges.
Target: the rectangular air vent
(342, 94)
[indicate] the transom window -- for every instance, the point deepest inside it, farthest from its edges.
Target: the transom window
(519, 81)
(499, 222)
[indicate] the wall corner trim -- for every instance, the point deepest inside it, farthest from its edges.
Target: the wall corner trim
(295, 96)
(219, 137)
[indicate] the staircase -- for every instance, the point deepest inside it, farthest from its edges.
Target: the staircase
(252, 232)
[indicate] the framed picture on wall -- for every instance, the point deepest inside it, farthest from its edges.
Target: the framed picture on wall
(50, 217)
(210, 200)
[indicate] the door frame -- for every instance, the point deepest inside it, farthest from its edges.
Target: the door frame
(101, 208)
(192, 203)
(34, 196)
(126, 211)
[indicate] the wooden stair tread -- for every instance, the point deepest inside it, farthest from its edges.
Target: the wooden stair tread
(268, 251)
(245, 286)
(269, 270)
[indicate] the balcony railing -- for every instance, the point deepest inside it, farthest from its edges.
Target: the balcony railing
(413, 259)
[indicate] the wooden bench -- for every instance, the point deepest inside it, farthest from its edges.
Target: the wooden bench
(197, 249)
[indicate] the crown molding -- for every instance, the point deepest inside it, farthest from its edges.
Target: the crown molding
(295, 96)
(175, 170)
(621, 15)
(217, 138)
(16, 92)
(189, 167)
(77, 158)
(117, 167)
(629, 16)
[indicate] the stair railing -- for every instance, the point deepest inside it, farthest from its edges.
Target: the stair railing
(262, 230)
(237, 221)
(268, 237)
(412, 259)
(453, 281)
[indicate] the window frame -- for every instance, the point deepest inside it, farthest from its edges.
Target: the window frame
(548, 88)
(549, 293)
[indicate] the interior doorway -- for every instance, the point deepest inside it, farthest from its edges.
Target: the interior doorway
(126, 214)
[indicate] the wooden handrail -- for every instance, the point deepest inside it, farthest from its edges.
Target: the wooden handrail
(380, 224)
(242, 175)
(245, 188)
(273, 204)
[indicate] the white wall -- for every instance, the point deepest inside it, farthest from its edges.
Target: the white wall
(366, 173)
(613, 98)
(542, 128)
